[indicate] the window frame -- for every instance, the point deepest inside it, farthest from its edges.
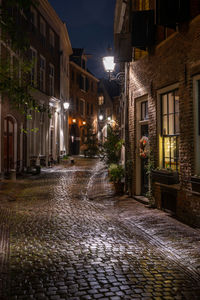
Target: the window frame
(51, 80)
(42, 74)
(34, 68)
(170, 136)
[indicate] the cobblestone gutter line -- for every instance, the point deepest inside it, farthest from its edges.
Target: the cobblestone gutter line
(4, 252)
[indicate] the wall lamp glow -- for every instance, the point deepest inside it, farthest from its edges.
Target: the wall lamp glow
(66, 105)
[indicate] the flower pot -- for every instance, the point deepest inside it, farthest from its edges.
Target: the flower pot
(165, 177)
(195, 183)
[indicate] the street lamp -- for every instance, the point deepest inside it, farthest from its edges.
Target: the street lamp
(109, 66)
(66, 105)
(100, 117)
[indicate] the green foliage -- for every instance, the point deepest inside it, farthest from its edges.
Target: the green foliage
(116, 173)
(15, 82)
(91, 142)
(111, 149)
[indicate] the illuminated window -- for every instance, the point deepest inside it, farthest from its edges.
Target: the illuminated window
(101, 100)
(170, 130)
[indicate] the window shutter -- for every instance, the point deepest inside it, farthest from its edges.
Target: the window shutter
(123, 47)
(143, 28)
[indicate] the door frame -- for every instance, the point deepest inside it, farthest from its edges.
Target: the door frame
(139, 123)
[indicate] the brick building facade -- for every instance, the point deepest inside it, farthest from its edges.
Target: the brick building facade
(45, 138)
(162, 90)
(83, 101)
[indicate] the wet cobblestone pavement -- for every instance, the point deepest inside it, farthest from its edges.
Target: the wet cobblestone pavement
(69, 239)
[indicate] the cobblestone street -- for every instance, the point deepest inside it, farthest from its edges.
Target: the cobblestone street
(64, 235)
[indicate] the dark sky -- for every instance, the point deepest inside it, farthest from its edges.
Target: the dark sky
(90, 26)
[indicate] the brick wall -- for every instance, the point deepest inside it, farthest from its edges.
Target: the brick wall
(174, 61)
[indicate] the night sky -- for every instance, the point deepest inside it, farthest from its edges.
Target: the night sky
(90, 26)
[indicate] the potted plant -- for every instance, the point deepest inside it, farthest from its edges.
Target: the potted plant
(116, 174)
(165, 176)
(195, 180)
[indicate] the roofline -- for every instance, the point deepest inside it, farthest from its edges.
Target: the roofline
(83, 71)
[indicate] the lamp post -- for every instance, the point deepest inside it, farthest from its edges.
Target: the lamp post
(109, 66)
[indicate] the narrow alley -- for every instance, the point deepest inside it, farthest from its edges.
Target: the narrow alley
(64, 235)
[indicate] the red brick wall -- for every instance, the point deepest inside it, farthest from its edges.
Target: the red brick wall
(175, 60)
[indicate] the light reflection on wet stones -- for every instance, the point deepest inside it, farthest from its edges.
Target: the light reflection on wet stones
(64, 247)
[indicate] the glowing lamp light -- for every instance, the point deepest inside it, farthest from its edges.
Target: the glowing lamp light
(100, 117)
(73, 120)
(109, 118)
(66, 105)
(108, 62)
(84, 123)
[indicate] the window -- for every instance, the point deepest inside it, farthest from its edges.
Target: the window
(51, 38)
(170, 130)
(82, 107)
(33, 17)
(33, 56)
(42, 74)
(101, 100)
(82, 82)
(51, 80)
(144, 111)
(43, 31)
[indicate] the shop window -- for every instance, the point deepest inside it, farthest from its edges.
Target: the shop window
(170, 130)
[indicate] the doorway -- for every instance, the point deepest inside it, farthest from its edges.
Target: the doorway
(9, 144)
(74, 140)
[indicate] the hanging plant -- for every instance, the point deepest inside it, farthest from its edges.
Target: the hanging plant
(144, 147)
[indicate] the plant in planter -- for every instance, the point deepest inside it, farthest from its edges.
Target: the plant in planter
(195, 181)
(165, 176)
(116, 174)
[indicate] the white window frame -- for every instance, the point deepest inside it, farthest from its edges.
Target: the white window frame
(196, 110)
(42, 74)
(51, 79)
(159, 93)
